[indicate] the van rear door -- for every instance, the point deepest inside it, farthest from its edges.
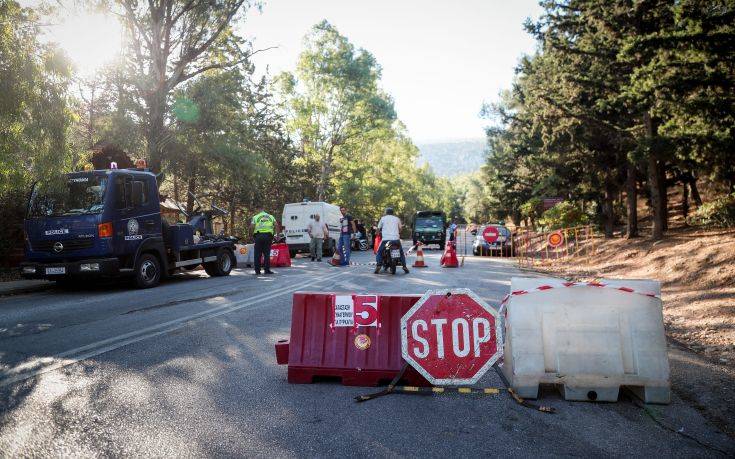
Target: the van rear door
(295, 221)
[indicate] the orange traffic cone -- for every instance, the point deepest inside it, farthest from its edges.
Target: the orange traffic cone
(336, 260)
(419, 263)
(449, 257)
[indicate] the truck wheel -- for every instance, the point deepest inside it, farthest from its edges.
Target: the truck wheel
(147, 271)
(292, 253)
(222, 265)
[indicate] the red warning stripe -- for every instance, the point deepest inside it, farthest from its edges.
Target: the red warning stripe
(541, 288)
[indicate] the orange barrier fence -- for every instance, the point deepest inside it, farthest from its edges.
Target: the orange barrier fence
(528, 246)
(548, 247)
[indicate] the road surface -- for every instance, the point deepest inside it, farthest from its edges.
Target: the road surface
(188, 369)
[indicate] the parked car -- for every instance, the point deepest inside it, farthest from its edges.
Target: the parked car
(502, 246)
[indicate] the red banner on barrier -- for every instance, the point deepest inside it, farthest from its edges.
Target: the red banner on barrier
(355, 311)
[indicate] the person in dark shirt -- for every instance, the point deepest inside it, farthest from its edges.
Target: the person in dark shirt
(347, 229)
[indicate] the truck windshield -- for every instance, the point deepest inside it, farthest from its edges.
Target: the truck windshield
(68, 196)
(429, 223)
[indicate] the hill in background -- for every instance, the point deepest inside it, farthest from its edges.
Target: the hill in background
(452, 158)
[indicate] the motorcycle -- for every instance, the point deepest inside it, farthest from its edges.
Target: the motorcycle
(391, 256)
(360, 243)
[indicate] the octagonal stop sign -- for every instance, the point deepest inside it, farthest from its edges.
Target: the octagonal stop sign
(451, 337)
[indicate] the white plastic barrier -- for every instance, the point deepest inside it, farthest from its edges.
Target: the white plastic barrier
(591, 338)
(244, 255)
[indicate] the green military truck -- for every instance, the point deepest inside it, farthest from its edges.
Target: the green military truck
(429, 227)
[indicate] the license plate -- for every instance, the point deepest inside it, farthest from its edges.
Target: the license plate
(395, 253)
(60, 270)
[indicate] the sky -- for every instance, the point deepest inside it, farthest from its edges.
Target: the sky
(440, 60)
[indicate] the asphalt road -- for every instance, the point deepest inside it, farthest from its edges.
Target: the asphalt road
(188, 369)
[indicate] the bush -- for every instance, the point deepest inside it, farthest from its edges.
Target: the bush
(12, 209)
(720, 212)
(533, 209)
(563, 215)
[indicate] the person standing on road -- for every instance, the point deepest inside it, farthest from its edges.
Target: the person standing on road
(264, 227)
(373, 233)
(390, 228)
(347, 229)
(317, 231)
(452, 229)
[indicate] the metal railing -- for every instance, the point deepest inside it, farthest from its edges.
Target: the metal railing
(549, 247)
(531, 247)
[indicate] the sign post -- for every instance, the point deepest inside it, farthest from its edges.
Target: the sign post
(452, 337)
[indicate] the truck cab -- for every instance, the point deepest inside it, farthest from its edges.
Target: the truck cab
(107, 223)
(429, 227)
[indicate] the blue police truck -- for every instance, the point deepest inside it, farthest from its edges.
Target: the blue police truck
(107, 223)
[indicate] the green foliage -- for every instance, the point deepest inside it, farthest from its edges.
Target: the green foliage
(720, 212)
(34, 114)
(352, 149)
(533, 210)
(335, 103)
(615, 90)
(563, 215)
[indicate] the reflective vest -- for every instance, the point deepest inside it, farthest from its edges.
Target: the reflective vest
(264, 223)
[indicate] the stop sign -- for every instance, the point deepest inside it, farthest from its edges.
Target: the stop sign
(490, 234)
(451, 337)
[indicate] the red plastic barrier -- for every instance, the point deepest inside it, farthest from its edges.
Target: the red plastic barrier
(358, 344)
(280, 257)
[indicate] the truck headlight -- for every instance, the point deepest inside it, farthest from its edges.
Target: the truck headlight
(89, 267)
(29, 269)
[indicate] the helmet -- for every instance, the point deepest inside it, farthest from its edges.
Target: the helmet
(389, 211)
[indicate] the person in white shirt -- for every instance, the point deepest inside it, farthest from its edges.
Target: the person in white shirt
(390, 228)
(317, 231)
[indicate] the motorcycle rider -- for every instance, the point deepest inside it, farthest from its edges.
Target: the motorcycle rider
(390, 228)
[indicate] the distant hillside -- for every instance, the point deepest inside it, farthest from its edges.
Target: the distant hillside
(448, 159)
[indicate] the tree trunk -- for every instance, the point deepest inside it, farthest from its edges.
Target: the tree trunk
(233, 211)
(664, 195)
(191, 190)
(176, 189)
(692, 180)
(325, 173)
(154, 134)
(632, 201)
(685, 201)
(608, 210)
(657, 231)
(515, 217)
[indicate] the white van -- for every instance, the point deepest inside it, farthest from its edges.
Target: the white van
(296, 218)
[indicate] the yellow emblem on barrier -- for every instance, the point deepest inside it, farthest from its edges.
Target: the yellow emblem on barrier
(362, 342)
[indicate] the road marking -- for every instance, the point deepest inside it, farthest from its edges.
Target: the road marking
(63, 359)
